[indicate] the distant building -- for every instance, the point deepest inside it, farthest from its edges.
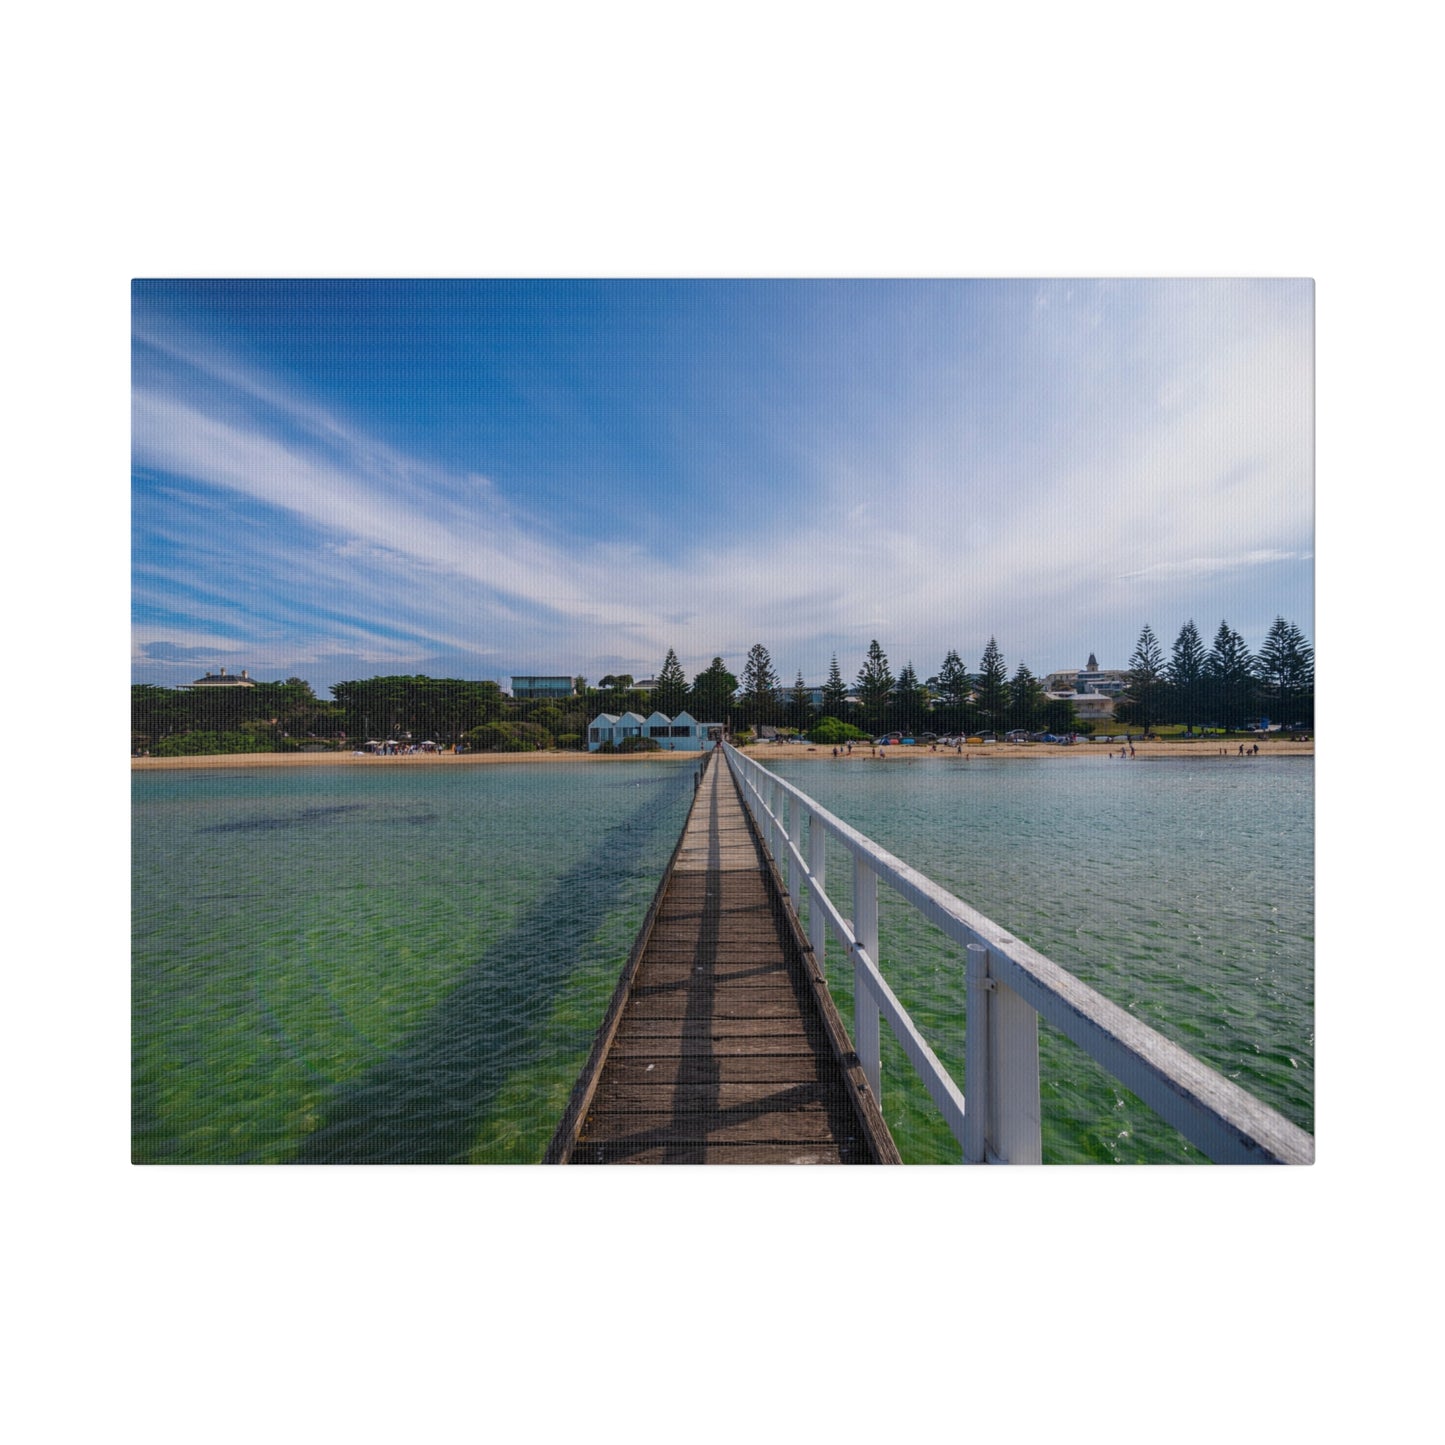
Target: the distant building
(602, 729)
(629, 725)
(1091, 680)
(1087, 706)
(223, 679)
(542, 687)
(676, 734)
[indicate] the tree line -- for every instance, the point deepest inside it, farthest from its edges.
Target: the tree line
(1223, 686)
(1220, 686)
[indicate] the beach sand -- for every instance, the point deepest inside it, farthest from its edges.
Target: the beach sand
(1194, 748)
(1206, 747)
(416, 760)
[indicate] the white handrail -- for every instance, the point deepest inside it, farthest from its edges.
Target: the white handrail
(1010, 987)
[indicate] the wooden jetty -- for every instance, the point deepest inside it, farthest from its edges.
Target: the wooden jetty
(721, 1044)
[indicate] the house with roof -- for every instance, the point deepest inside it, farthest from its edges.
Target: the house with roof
(1087, 706)
(602, 729)
(1089, 680)
(542, 687)
(224, 679)
(682, 733)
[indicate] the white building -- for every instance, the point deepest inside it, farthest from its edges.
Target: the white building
(1089, 680)
(682, 733)
(1087, 706)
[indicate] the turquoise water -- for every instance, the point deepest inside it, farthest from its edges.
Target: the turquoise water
(389, 965)
(407, 965)
(1180, 889)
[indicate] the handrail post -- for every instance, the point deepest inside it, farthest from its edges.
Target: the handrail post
(865, 1006)
(1002, 1119)
(1014, 1056)
(795, 837)
(779, 804)
(817, 917)
(976, 1071)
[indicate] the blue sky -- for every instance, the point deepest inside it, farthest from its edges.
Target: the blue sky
(336, 479)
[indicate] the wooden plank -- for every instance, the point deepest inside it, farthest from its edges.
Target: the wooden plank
(712, 1097)
(730, 1031)
(721, 1069)
(758, 1003)
(811, 1123)
(702, 1048)
(659, 973)
(616, 1152)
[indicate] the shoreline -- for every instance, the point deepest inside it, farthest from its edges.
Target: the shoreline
(1195, 748)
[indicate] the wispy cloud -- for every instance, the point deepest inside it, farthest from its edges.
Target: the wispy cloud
(1114, 477)
(1199, 568)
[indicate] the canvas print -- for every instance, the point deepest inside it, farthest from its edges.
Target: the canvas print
(854, 721)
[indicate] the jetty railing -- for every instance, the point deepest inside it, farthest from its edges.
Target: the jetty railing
(1009, 987)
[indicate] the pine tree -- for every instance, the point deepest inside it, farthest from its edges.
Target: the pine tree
(670, 694)
(910, 699)
(800, 706)
(835, 692)
(992, 686)
(1146, 685)
(711, 696)
(1229, 678)
(1185, 674)
(875, 685)
(1285, 667)
(953, 679)
(1301, 675)
(760, 686)
(1025, 699)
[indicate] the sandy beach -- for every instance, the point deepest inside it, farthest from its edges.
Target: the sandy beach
(1194, 748)
(1204, 747)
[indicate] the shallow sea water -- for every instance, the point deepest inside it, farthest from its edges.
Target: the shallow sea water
(407, 965)
(1181, 889)
(404, 965)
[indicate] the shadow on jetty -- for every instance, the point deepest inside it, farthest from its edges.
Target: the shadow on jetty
(424, 1103)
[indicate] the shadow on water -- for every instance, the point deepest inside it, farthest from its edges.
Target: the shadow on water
(305, 818)
(424, 1103)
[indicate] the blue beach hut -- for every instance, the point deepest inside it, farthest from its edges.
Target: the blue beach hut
(687, 733)
(602, 729)
(629, 725)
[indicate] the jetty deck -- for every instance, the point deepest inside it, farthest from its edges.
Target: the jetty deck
(721, 1044)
